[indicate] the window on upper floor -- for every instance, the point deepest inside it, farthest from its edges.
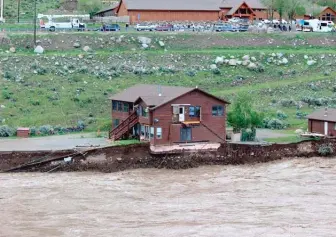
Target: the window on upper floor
(116, 123)
(217, 110)
(144, 112)
(194, 111)
(126, 107)
(114, 105)
(119, 105)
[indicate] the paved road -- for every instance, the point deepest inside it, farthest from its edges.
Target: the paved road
(51, 142)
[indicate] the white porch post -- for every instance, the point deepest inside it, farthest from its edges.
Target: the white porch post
(326, 128)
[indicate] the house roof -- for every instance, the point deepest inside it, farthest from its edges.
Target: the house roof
(236, 7)
(110, 8)
(150, 93)
(323, 115)
(192, 5)
(156, 95)
(254, 4)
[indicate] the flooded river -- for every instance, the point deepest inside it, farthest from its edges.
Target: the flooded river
(284, 198)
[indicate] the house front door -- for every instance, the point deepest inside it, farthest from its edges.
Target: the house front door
(185, 134)
(181, 114)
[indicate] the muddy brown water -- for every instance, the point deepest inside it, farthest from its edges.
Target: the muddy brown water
(283, 198)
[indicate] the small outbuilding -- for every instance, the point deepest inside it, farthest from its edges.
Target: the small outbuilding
(323, 122)
(22, 132)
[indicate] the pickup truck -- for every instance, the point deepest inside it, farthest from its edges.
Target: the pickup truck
(145, 27)
(168, 27)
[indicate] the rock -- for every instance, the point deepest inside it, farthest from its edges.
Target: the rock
(232, 57)
(119, 159)
(298, 131)
(273, 55)
(246, 57)
(39, 49)
(284, 61)
(80, 56)
(213, 66)
(269, 60)
(86, 49)
(2, 106)
(305, 57)
(226, 61)
(253, 59)
(245, 63)
(252, 66)
(77, 45)
(270, 30)
(239, 62)
(279, 55)
(145, 46)
(311, 62)
(233, 62)
(161, 43)
(57, 63)
(144, 40)
(12, 50)
(219, 60)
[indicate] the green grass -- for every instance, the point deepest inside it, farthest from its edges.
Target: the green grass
(288, 139)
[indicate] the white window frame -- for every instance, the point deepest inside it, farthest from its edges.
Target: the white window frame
(158, 131)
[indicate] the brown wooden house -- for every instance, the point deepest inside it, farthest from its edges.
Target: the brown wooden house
(166, 115)
(323, 121)
(319, 12)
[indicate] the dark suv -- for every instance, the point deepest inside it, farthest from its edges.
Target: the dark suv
(113, 27)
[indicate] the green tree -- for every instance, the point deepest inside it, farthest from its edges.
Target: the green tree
(90, 6)
(243, 116)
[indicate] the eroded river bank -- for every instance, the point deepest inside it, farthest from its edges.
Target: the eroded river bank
(282, 198)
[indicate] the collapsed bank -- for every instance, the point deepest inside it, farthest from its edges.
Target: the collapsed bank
(118, 158)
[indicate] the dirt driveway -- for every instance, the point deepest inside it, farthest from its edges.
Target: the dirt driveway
(51, 142)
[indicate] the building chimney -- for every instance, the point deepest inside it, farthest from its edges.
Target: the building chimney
(326, 112)
(159, 90)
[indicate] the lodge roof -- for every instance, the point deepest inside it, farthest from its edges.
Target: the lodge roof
(155, 95)
(110, 8)
(254, 4)
(323, 115)
(316, 9)
(192, 5)
(236, 7)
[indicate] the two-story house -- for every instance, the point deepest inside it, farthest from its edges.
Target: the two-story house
(167, 115)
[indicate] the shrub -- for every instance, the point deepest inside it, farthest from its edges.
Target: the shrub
(6, 131)
(81, 125)
(281, 115)
(6, 94)
(325, 150)
(33, 131)
(276, 124)
(287, 103)
(46, 130)
(216, 71)
(301, 115)
(191, 73)
(248, 134)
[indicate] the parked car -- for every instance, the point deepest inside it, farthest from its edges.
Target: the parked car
(234, 20)
(223, 27)
(113, 27)
(275, 21)
(145, 27)
(167, 27)
(266, 21)
(283, 21)
(243, 27)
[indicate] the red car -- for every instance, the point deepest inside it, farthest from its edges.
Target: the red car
(168, 27)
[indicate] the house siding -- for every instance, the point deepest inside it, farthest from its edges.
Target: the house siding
(122, 11)
(158, 15)
(171, 132)
(317, 126)
(120, 114)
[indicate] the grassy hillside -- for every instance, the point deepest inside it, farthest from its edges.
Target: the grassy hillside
(67, 84)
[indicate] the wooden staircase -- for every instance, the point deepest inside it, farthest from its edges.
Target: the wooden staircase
(124, 127)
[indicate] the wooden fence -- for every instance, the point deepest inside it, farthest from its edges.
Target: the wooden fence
(112, 19)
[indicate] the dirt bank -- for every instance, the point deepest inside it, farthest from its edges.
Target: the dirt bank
(112, 159)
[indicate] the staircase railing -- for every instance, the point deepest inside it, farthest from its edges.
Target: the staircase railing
(124, 126)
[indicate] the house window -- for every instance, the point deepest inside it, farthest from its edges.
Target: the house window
(146, 132)
(217, 110)
(116, 123)
(194, 111)
(119, 106)
(140, 110)
(126, 107)
(142, 130)
(114, 105)
(144, 112)
(152, 132)
(158, 133)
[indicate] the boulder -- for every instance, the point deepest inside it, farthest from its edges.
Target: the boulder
(39, 49)
(233, 62)
(284, 61)
(311, 62)
(279, 55)
(253, 59)
(298, 131)
(246, 57)
(80, 56)
(12, 50)
(161, 43)
(252, 66)
(305, 57)
(144, 40)
(145, 46)
(213, 66)
(239, 62)
(246, 62)
(270, 30)
(76, 45)
(86, 49)
(226, 61)
(219, 60)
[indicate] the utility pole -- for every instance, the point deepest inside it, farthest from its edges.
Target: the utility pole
(35, 16)
(18, 12)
